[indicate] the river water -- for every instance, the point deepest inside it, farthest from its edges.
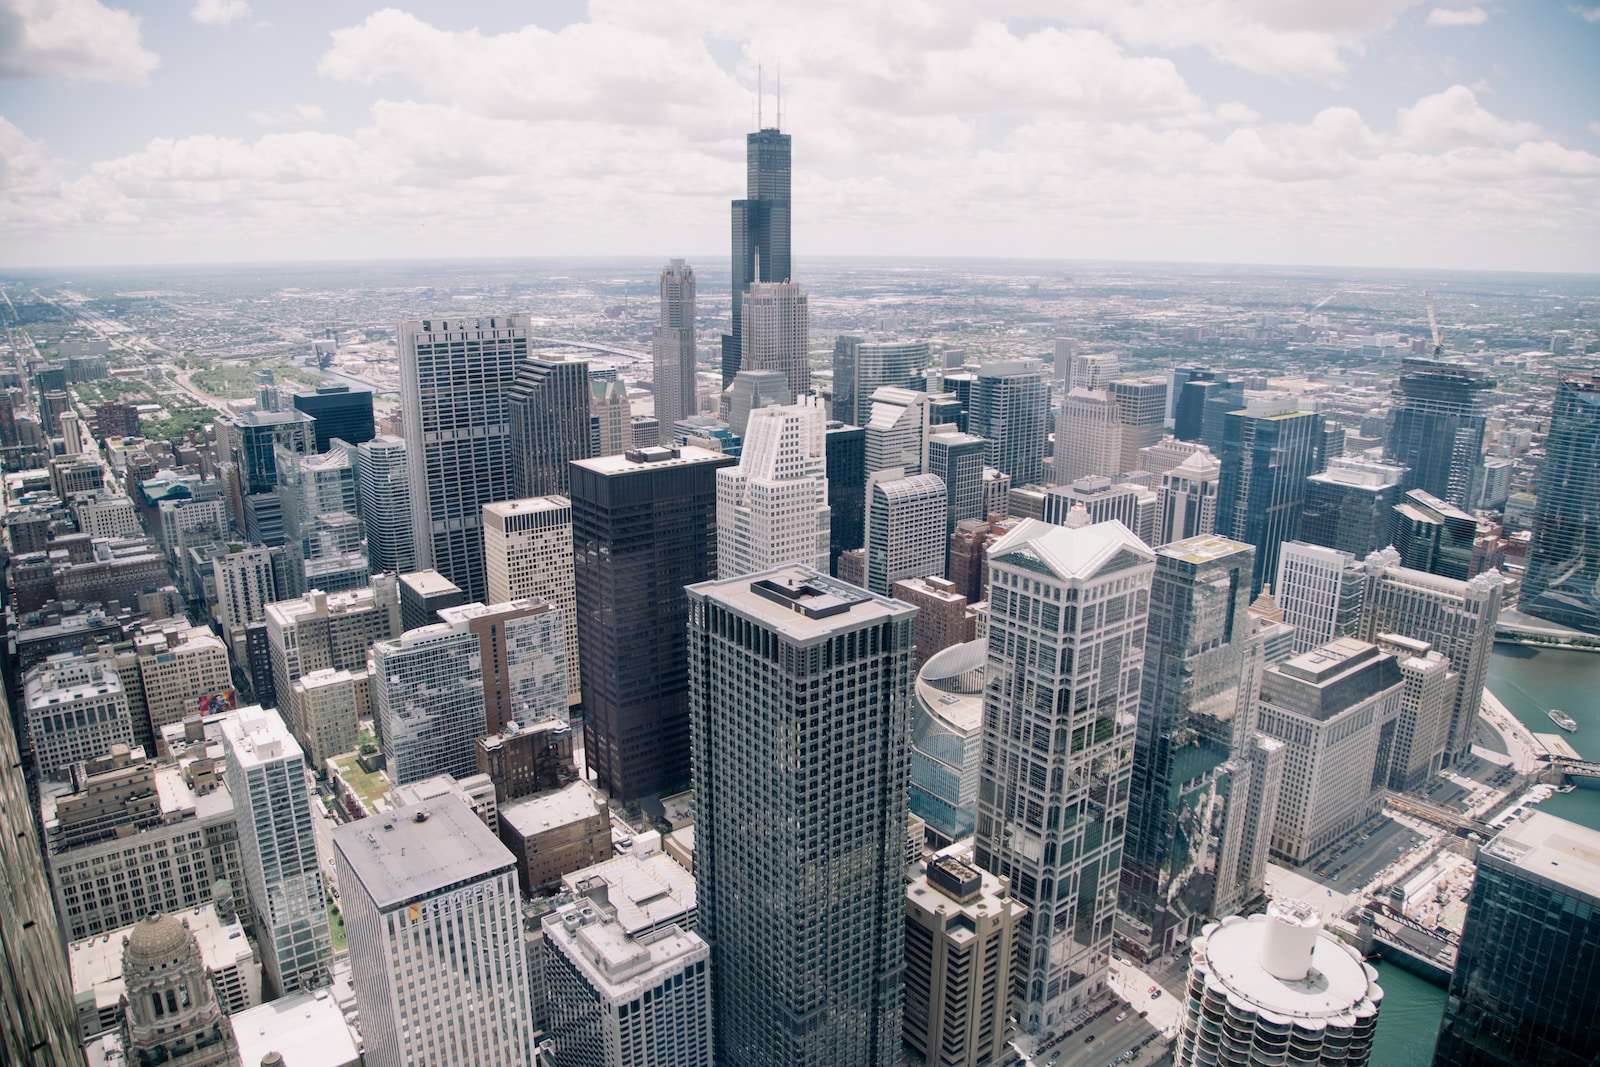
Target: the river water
(1529, 682)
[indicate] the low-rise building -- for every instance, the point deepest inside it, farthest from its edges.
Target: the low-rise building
(556, 833)
(76, 710)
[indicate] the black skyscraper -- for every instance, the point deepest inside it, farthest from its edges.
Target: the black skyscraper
(1563, 579)
(549, 424)
(760, 231)
(339, 413)
(1438, 427)
(847, 489)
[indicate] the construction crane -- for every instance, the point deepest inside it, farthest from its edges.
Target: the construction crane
(1433, 325)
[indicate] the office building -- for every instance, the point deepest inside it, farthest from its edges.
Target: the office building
(527, 758)
(1141, 416)
(643, 527)
(813, 976)
(861, 368)
(328, 705)
(622, 999)
(957, 460)
(943, 617)
(961, 926)
(1457, 618)
(177, 665)
(1336, 709)
(266, 774)
(752, 389)
(1319, 592)
(522, 653)
(186, 524)
(102, 514)
(172, 1013)
(1350, 506)
(1067, 616)
(1188, 498)
(610, 417)
(773, 507)
(776, 332)
(1564, 558)
(1268, 451)
(1524, 981)
(342, 413)
(946, 740)
(1272, 982)
(305, 1030)
(37, 1015)
(1425, 703)
(1168, 453)
(322, 632)
(384, 501)
(1191, 781)
(413, 880)
(672, 346)
(253, 438)
(1434, 536)
(846, 448)
(1085, 370)
(906, 535)
(1440, 413)
(527, 549)
(422, 594)
(549, 412)
(760, 233)
(897, 428)
(427, 701)
(456, 379)
(556, 833)
(244, 584)
(1011, 410)
(76, 709)
(1102, 500)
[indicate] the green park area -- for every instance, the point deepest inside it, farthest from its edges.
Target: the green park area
(237, 381)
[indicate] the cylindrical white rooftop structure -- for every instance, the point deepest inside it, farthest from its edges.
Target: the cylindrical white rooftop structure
(1291, 938)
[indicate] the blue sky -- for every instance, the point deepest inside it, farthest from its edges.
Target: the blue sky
(1365, 132)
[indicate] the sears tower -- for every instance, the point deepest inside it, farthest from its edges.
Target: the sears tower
(760, 232)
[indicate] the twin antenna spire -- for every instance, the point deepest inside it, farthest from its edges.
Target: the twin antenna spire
(760, 85)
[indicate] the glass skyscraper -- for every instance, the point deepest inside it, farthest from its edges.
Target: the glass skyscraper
(1011, 409)
(1563, 577)
(549, 424)
(1269, 449)
(1438, 427)
(760, 232)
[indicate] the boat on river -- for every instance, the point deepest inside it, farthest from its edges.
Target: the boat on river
(1563, 720)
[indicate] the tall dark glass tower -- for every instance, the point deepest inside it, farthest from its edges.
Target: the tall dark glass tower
(760, 232)
(847, 494)
(1268, 451)
(549, 424)
(1563, 579)
(1438, 427)
(340, 412)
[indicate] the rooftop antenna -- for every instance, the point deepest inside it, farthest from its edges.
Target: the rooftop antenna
(758, 96)
(780, 96)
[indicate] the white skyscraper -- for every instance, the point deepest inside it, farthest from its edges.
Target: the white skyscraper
(1067, 615)
(776, 332)
(436, 950)
(773, 507)
(673, 346)
(1088, 437)
(906, 531)
(1189, 498)
(527, 550)
(427, 701)
(384, 493)
(1319, 591)
(244, 585)
(266, 775)
(897, 430)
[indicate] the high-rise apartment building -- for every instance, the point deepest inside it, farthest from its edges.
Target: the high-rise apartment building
(861, 368)
(906, 535)
(1067, 616)
(527, 549)
(1523, 987)
(1319, 591)
(1272, 982)
(1336, 709)
(1268, 451)
(266, 775)
(1564, 559)
(436, 949)
(1188, 498)
(1440, 413)
(1457, 618)
(943, 617)
(522, 654)
(960, 929)
(643, 527)
(957, 460)
(549, 411)
(776, 332)
(244, 585)
(330, 705)
(1188, 803)
(773, 507)
(427, 701)
(813, 975)
(322, 631)
(1011, 410)
(456, 377)
(384, 500)
(1350, 505)
(672, 346)
(760, 232)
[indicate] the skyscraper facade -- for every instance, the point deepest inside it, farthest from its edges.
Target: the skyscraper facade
(643, 527)
(427, 701)
(957, 460)
(1319, 590)
(527, 548)
(1269, 449)
(1523, 987)
(1350, 506)
(773, 507)
(1011, 409)
(1088, 437)
(673, 346)
(847, 489)
(549, 409)
(455, 383)
(266, 773)
(753, 389)
(1437, 431)
(776, 334)
(1563, 578)
(861, 368)
(384, 494)
(1434, 536)
(341, 412)
(906, 536)
(610, 417)
(760, 232)
(1141, 413)
(1068, 609)
(1188, 499)
(801, 696)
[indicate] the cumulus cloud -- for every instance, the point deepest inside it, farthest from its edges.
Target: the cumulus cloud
(1455, 119)
(1457, 16)
(72, 40)
(288, 116)
(1588, 14)
(219, 13)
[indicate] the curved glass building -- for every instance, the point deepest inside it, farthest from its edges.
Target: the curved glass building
(946, 738)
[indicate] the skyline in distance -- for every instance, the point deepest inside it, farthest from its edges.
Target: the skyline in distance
(1389, 133)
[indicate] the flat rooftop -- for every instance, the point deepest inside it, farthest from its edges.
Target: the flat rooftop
(565, 806)
(429, 583)
(646, 891)
(1553, 849)
(1202, 549)
(800, 603)
(259, 737)
(527, 504)
(656, 459)
(97, 961)
(399, 857)
(307, 1030)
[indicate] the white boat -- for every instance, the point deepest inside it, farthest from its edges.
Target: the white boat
(1563, 720)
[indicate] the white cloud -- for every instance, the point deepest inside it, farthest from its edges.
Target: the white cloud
(219, 13)
(1594, 128)
(72, 40)
(1457, 16)
(1588, 14)
(288, 116)
(1454, 119)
